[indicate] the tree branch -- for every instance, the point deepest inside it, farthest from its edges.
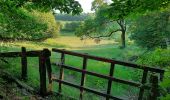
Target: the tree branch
(104, 35)
(122, 24)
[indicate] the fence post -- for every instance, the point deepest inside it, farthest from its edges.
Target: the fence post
(83, 77)
(24, 63)
(109, 87)
(49, 71)
(144, 80)
(61, 72)
(42, 69)
(154, 92)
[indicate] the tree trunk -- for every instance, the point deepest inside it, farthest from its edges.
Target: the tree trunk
(122, 24)
(123, 38)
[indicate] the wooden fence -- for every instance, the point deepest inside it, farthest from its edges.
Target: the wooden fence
(45, 67)
(154, 78)
(44, 63)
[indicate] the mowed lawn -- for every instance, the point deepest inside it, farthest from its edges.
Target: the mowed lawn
(106, 48)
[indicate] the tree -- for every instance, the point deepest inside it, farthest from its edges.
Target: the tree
(155, 32)
(119, 10)
(100, 26)
(96, 4)
(67, 6)
(17, 20)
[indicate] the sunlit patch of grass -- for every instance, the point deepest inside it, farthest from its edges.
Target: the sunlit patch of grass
(33, 45)
(75, 42)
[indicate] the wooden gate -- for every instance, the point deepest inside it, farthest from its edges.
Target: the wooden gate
(154, 78)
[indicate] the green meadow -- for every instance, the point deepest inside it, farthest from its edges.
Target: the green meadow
(106, 48)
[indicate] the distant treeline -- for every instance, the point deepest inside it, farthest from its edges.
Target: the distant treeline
(68, 17)
(69, 26)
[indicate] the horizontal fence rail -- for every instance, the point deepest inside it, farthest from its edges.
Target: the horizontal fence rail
(127, 64)
(19, 54)
(141, 85)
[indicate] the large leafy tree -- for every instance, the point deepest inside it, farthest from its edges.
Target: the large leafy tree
(118, 11)
(67, 6)
(17, 20)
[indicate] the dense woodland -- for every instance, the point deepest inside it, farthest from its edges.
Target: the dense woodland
(136, 31)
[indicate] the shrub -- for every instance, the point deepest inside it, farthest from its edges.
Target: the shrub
(160, 57)
(49, 19)
(21, 24)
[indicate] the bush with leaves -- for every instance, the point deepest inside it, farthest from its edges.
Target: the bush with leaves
(18, 23)
(47, 18)
(161, 59)
(152, 30)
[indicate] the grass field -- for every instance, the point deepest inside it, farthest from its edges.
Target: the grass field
(107, 48)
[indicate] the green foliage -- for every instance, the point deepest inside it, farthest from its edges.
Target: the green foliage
(97, 4)
(159, 57)
(101, 26)
(67, 6)
(166, 83)
(48, 19)
(166, 98)
(123, 8)
(89, 28)
(43, 26)
(19, 24)
(16, 21)
(107, 15)
(153, 33)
